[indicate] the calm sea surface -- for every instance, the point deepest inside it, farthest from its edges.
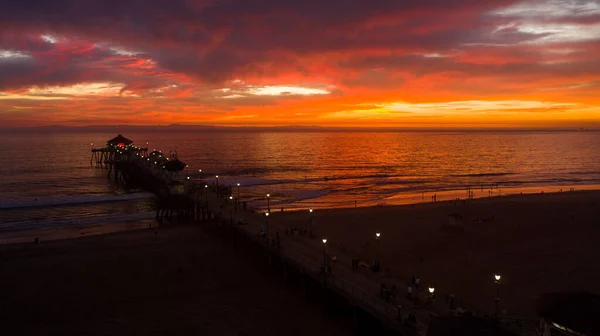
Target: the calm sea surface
(46, 179)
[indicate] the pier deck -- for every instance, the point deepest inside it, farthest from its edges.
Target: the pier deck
(200, 201)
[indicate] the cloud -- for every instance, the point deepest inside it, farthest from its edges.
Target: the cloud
(170, 60)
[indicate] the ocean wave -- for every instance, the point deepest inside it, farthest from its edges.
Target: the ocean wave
(45, 202)
(483, 174)
(82, 221)
(584, 173)
(255, 181)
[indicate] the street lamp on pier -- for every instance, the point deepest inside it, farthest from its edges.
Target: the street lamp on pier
(312, 223)
(269, 202)
(431, 295)
(231, 211)
(377, 235)
(206, 193)
(497, 281)
(267, 226)
(238, 195)
(324, 254)
(217, 178)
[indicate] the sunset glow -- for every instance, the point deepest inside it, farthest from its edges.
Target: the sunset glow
(334, 63)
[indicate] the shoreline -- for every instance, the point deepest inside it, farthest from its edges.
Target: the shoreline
(28, 236)
(424, 197)
(25, 235)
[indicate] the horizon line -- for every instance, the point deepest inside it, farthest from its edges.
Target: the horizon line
(205, 127)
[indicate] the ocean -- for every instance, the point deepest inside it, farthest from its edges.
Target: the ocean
(47, 181)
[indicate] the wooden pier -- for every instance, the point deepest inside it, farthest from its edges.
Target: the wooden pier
(114, 150)
(160, 174)
(298, 264)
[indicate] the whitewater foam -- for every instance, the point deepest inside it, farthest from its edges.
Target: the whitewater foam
(45, 202)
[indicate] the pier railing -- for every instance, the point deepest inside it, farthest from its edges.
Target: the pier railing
(387, 312)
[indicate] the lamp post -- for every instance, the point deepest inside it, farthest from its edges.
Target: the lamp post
(269, 202)
(217, 178)
(324, 254)
(238, 195)
(206, 193)
(267, 226)
(377, 235)
(431, 294)
(312, 223)
(497, 281)
(231, 211)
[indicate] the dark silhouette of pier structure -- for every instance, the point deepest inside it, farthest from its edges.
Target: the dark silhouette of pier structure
(213, 206)
(161, 174)
(115, 148)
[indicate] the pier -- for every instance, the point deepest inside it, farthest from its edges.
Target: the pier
(301, 263)
(106, 156)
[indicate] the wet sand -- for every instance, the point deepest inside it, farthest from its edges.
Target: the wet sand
(538, 242)
(178, 282)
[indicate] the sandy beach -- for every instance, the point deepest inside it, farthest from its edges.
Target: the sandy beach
(538, 243)
(178, 282)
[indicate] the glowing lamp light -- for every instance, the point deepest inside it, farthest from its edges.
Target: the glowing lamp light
(267, 214)
(324, 240)
(206, 186)
(497, 277)
(217, 176)
(378, 234)
(188, 177)
(431, 290)
(310, 210)
(238, 184)
(268, 195)
(230, 197)
(200, 170)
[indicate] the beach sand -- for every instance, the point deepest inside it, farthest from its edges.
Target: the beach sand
(177, 282)
(538, 243)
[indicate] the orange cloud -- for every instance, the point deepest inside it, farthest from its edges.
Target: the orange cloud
(234, 62)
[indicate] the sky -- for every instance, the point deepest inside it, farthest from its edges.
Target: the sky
(352, 63)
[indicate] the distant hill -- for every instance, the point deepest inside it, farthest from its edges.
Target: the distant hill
(289, 128)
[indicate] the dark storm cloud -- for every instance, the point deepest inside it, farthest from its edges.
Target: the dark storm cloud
(216, 39)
